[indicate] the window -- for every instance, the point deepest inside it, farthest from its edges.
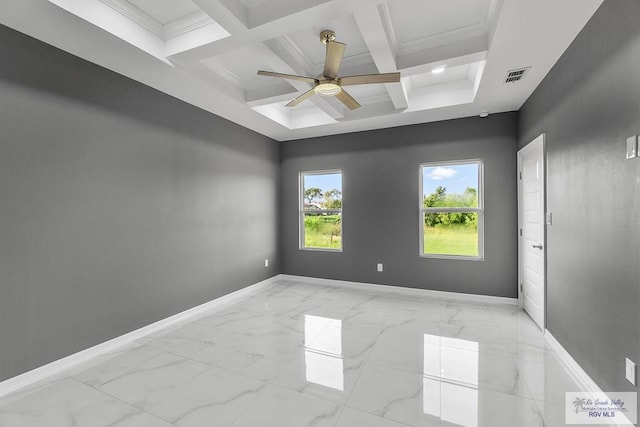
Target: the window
(321, 210)
(451, 220)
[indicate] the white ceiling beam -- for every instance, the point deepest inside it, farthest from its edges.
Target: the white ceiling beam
(117, 23)
(223, 15)
(398, 94)
(209, 33)
(268, 11)
(375, 36)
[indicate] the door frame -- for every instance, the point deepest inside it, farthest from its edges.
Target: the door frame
(540, 140)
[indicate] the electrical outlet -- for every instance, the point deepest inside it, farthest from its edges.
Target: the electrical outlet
(630, 371)
(379, 267)
(266, 262)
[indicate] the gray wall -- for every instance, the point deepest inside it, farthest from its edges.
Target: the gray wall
(588, 105)
(119, 205)
(380, 194)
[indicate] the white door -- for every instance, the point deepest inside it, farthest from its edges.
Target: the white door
(531, 214)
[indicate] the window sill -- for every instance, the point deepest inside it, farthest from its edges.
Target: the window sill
(320, 249)
(453, 257)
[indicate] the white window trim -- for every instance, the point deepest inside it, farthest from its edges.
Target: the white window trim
(301, 210)
(479, 210)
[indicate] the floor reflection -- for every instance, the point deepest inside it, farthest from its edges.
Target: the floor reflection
(450, 383)
(323, 351)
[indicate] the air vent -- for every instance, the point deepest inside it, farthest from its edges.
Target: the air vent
(515, 76)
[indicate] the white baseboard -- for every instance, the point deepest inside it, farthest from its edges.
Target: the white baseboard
(579, 375)
(408, 291)
(48, 370)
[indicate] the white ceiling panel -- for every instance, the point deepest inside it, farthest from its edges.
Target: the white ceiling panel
(417, 19)
(308, 40)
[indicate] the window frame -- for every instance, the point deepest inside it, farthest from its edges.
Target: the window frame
(301, 211)
(479, 209)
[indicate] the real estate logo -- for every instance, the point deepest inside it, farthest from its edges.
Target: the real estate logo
(601, 408)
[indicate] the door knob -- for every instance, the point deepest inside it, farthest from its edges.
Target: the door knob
(539, 246)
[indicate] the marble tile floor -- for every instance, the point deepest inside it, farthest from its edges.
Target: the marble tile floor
(299, 354)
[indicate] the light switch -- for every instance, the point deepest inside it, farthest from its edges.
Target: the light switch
(632, 147)
(630, 371)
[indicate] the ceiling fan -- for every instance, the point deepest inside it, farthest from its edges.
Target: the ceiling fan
(328, 83)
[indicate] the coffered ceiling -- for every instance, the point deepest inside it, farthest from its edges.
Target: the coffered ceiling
(453, 55)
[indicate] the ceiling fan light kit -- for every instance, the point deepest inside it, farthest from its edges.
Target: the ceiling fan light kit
(328, 83)
(327, 88)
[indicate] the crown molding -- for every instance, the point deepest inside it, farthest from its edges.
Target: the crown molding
(187, 24)
(165, 32)
(453, 36)
(137, 16)
(224, 72)
(290, 48)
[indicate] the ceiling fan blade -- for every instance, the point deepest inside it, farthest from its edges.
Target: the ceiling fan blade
(335, 52)
(286, 76)
(369, 79)
(301, 98)
(347, 100)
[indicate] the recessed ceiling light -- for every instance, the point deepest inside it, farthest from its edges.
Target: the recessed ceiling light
(438, 70)
(484, 114)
